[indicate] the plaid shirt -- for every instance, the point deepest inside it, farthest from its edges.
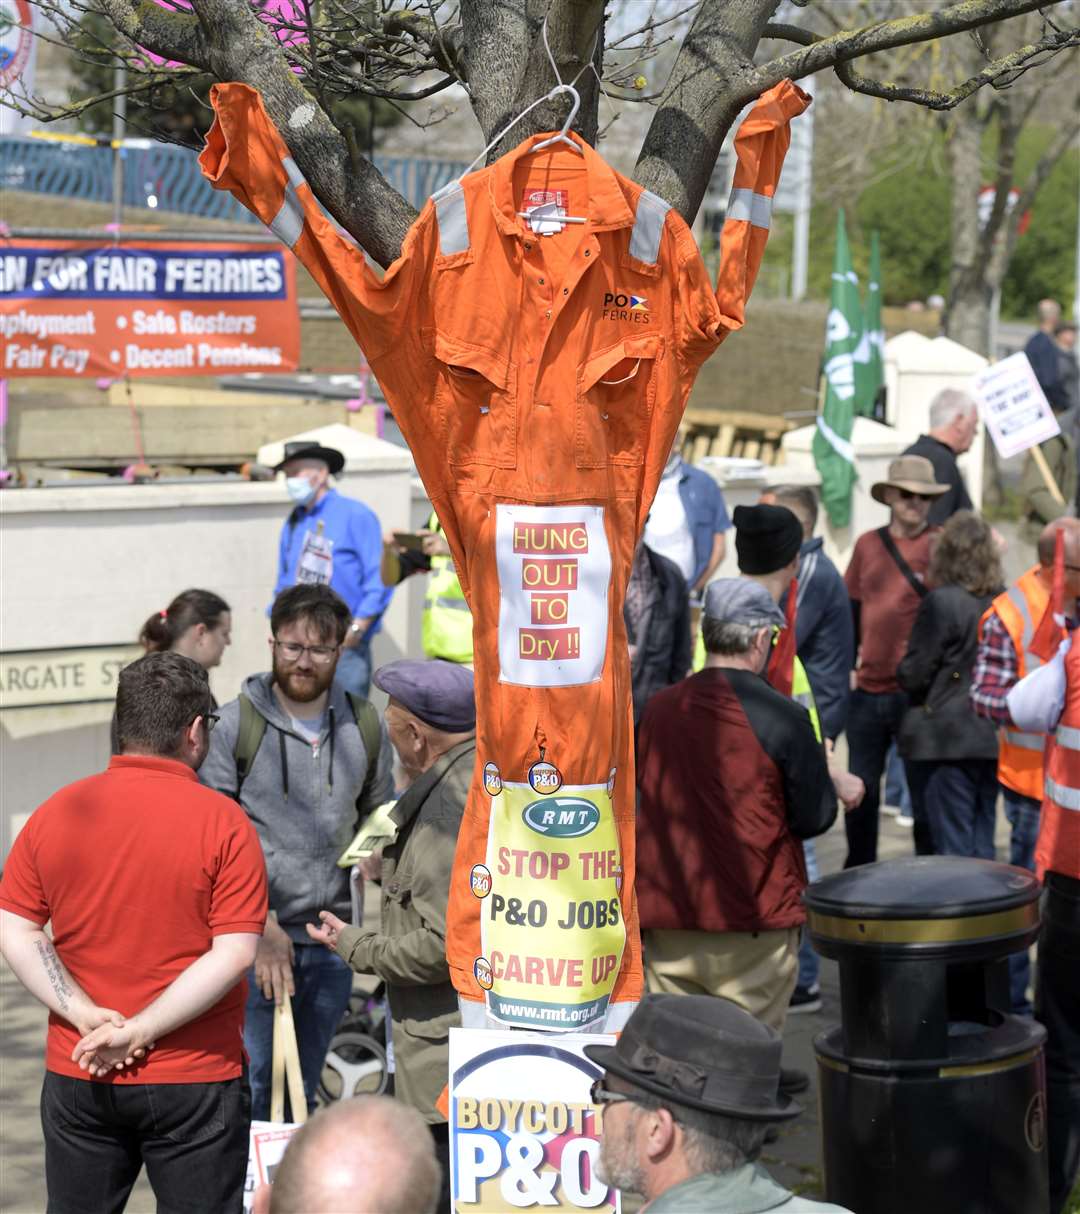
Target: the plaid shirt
(995, 672)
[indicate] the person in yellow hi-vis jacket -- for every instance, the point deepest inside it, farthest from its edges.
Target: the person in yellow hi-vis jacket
(446, 629)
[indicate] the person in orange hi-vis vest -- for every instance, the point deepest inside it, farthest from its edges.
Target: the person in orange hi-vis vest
(538, 370)
(1048, 701)
(1008, 650)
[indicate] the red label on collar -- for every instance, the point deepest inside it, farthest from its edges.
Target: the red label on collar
(543, 198)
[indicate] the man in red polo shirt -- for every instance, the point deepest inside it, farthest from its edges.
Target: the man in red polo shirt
(156, 890)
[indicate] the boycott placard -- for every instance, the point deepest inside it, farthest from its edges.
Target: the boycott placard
(523, 1131)
(551, 927)
(1013, 406)
(85, 308)
(554, 568)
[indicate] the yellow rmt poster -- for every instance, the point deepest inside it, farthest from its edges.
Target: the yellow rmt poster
(552, 933)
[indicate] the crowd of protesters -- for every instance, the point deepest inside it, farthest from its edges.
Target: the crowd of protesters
(919, 644)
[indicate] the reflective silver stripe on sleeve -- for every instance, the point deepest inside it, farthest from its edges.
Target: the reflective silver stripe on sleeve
(1068, 737)
(288, 223)
(751, 208)
(648, 227)
(1061, 794)
(1025, 741)
(1029, 660)
(452, 219)
(452, 604)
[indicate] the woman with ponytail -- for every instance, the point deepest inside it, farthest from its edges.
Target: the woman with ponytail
(196, 624)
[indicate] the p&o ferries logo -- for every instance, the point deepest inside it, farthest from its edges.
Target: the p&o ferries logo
(621, 305)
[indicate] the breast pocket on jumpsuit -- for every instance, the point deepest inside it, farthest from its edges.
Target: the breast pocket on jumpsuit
(616, 388)
(476, 412)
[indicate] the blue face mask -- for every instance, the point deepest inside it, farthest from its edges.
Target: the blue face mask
(300, 489)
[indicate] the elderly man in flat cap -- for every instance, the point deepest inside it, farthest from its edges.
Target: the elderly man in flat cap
(731, 778)
(689, 1092)
(431, 720)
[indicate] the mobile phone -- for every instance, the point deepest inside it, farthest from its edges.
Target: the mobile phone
(411, 540)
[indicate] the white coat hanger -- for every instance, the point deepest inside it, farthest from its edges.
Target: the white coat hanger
(560, 137)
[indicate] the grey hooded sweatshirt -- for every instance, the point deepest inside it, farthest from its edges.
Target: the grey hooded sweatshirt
(301, 799)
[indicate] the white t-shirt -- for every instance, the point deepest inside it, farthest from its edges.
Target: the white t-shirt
(667, 530)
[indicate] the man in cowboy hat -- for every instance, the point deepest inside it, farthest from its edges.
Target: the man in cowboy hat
(885, 583)
(336, 541)
(689, 1093)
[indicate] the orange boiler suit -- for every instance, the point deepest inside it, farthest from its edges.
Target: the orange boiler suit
(538, 371)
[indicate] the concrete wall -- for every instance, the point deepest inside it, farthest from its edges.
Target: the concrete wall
(86, 566)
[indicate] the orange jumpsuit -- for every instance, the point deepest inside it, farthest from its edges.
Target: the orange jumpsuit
(539, 378)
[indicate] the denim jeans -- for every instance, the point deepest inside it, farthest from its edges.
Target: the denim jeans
(960, 801)
(873, 723)
(192, 1137)
(1023, 815)
(809, 964)
(323, 984)
(354, 668)
(896, 784)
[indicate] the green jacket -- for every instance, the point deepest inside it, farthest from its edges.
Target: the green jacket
(1039, 506)
(747, 1190)
(408, 951)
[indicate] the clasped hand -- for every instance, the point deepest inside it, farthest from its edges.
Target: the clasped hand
(110, 1042)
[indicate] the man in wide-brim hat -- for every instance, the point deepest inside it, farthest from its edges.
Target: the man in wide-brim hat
(689, 1092)
(334, 540)
(885, 581)
(912, 475)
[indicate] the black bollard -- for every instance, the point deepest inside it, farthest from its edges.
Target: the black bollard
(932, 1094)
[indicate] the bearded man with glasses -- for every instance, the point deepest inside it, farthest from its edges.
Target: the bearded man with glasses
(885, 582)
(307, 761)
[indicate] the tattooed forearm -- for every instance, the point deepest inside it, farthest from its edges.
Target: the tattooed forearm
(54, 971)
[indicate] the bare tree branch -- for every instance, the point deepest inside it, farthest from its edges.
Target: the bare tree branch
(172, 35)
(1006, 66)
(883, 36)
(240, 47)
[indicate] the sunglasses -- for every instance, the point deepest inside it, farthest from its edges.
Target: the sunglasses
(599, 1094)
(906, 495)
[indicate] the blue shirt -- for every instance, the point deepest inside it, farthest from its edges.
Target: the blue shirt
(357, 539)
(706, 514)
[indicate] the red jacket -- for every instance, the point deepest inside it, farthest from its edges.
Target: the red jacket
(730, 777)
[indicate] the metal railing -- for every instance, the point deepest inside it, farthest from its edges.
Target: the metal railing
(160, 176)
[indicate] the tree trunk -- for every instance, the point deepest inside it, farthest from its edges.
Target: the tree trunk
(967, 311)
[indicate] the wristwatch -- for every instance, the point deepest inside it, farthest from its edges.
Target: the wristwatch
(355, 628)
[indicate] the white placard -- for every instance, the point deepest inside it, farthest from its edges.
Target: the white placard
(554, 570)
(524, 1133)
(1013, 406)
(266, 1145)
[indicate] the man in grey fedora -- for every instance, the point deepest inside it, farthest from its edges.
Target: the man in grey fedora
(689, 1092)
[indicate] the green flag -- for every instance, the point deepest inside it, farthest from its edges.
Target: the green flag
(833, 452)
(870, 356)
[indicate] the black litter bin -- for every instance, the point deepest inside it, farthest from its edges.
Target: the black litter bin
(932, 1093)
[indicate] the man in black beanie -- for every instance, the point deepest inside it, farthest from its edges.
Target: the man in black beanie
(767, 543)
